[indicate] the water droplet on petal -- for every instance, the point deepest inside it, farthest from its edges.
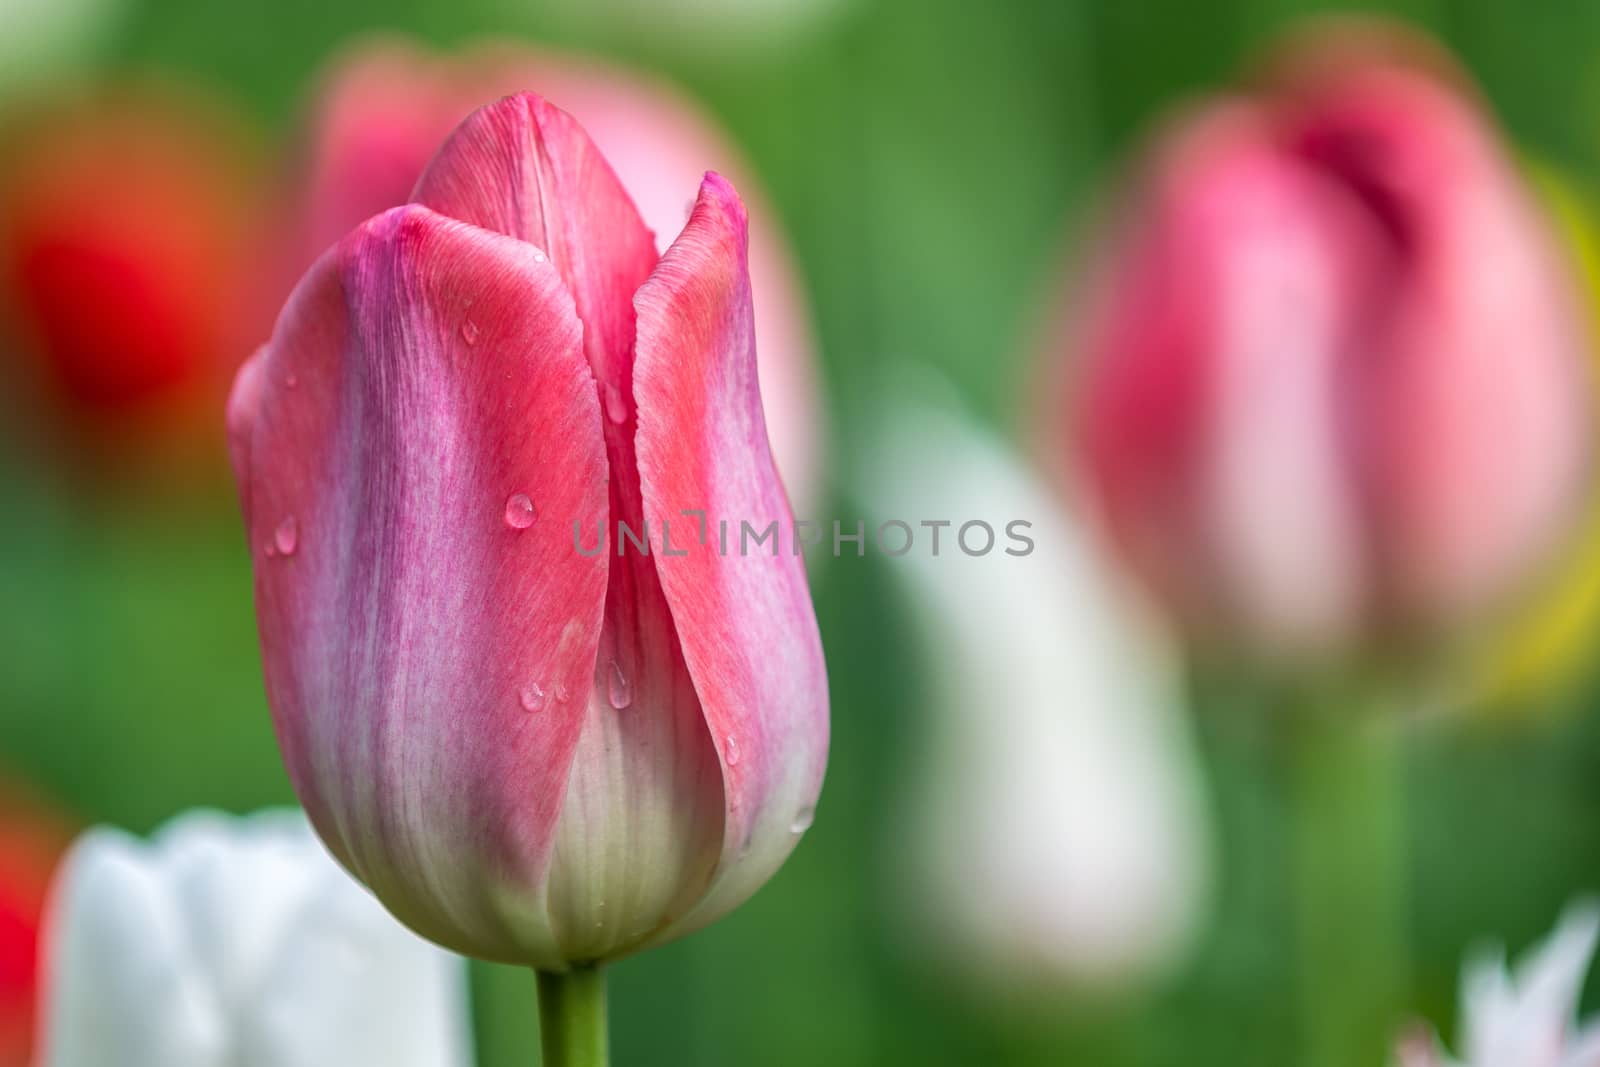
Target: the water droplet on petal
(562, 694)
(469, 332)
(616, 407)
(621, 692)
(731, 750)
(287, 536)
(531, 697)
(519, 511)
(539, 256)
(802, 820)
(292, 381)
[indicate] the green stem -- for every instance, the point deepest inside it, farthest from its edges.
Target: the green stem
(1350, 877)
(572, 1018)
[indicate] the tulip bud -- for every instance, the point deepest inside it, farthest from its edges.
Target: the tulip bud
(237, 940)
(1333, 363)
(386, 106)
(530, 750)
(1055, 834)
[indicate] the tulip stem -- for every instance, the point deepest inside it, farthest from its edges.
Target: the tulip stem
(572, 1017)
(1350, 876)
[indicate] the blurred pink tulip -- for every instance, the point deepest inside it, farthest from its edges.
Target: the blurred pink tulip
(1332, 363)
(530, 751)
(387, 105)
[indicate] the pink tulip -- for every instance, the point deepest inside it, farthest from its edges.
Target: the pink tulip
(531, 753)
(387, 105)
(1333, 364)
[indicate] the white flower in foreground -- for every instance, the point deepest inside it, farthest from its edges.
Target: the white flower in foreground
(1525, 1018)
(1055, 833)
(230, 941)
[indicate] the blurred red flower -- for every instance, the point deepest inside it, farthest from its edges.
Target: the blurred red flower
(32, 839)
(122, 225)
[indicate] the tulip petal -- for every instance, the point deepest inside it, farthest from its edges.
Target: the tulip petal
(659, 144)
(1223, 326)
(525, 168)
(1527, 1015)
(346, 984)
(424, 437)
(1478, 376)
(229, 940)
(641, 826)
(748, 632)
(117, 930)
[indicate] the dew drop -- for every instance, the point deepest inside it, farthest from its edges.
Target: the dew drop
(731, 750)
(539, 256)
(562, 694)
(519, 511)
(531, 697)
(469, 332)
(621, 692)
(616, 407)
(802, 820)
(286, 538)
(292, 381)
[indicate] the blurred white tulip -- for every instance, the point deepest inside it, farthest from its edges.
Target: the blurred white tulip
(1055, 832)
(237, 940)
(1526, 1018)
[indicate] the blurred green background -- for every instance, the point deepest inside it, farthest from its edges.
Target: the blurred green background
(929, 158)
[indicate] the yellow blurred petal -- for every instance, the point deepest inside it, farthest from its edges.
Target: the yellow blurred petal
(1545, 642)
